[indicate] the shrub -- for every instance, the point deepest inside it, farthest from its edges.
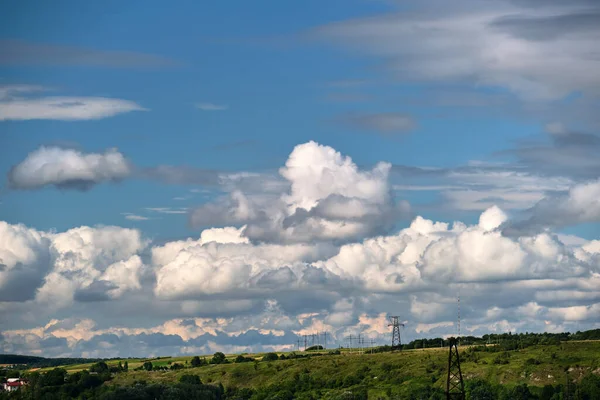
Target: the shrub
(218, 358)
(270, 357)
(190, 379)
(502, 358)
(197, 361)
(532, 361)
(99, 367)
(242, 359)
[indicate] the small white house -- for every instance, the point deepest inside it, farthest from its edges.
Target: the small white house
(13, 384)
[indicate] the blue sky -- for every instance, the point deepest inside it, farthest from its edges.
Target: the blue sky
(170, 121)
(275, 81)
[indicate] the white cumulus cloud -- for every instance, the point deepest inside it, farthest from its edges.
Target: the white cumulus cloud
(68, 168)
(329, 198)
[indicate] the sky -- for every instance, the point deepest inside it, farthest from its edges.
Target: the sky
(230, 176)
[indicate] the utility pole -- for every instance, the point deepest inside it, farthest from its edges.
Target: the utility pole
(455, 387)
(395, 324)
(458, 305)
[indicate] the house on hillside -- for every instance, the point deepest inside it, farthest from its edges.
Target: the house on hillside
(13, 384)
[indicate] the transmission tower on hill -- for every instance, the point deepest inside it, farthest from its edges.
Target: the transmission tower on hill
(395, 324)
(455, 387)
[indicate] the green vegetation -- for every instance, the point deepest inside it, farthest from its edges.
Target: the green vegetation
(494, 371)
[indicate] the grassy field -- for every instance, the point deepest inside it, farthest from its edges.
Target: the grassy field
(383, 372)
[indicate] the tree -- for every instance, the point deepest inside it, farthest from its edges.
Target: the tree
(177, 366)
(196, 361)
(547, 392)
(190, 379)
(218, 358)
(126, 366)
(147, 366)
(55, 377)
(589, 388)
(242, 359)
(480, 390)
(270, 357)
(520, 392)
(99, 367)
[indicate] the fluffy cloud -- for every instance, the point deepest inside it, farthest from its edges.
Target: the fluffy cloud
(83, 263)
(496, 43)
(580, 204)
(329, 198)
(223, 262)
(93, 263)
(521, 283)
(306, 252)
(68, 168)
(24, 261)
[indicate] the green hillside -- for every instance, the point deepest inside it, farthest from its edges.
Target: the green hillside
(394, 372)
(408, 374)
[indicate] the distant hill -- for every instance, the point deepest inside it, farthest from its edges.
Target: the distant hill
(41, 362)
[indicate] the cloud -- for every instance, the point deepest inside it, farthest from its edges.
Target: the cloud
(21, 52)
(68, 169)
(581, 204)
(91, 264)
(73, 169)
(212, 107)
(181, 175)
(260, 295)
(480, 185)
(11, 91)
(496, 44)
(549, 27)
(329, 198)
(69, 108)
(134, 217)
(24, 261)
(561, 152)
(383, 123)
(167, 210)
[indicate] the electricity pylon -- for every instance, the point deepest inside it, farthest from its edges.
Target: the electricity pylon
(455, 387)
(395, 324)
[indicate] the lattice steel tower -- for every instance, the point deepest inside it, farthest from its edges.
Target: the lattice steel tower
(395, 324)
(455, 387)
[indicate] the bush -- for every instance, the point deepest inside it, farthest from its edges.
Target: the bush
(147, 366)
(242, 359)
(270, 357)
(218, 358)
(190, 379)
(197, 361)
(532, 361)
(502, 358)
(99, 367)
